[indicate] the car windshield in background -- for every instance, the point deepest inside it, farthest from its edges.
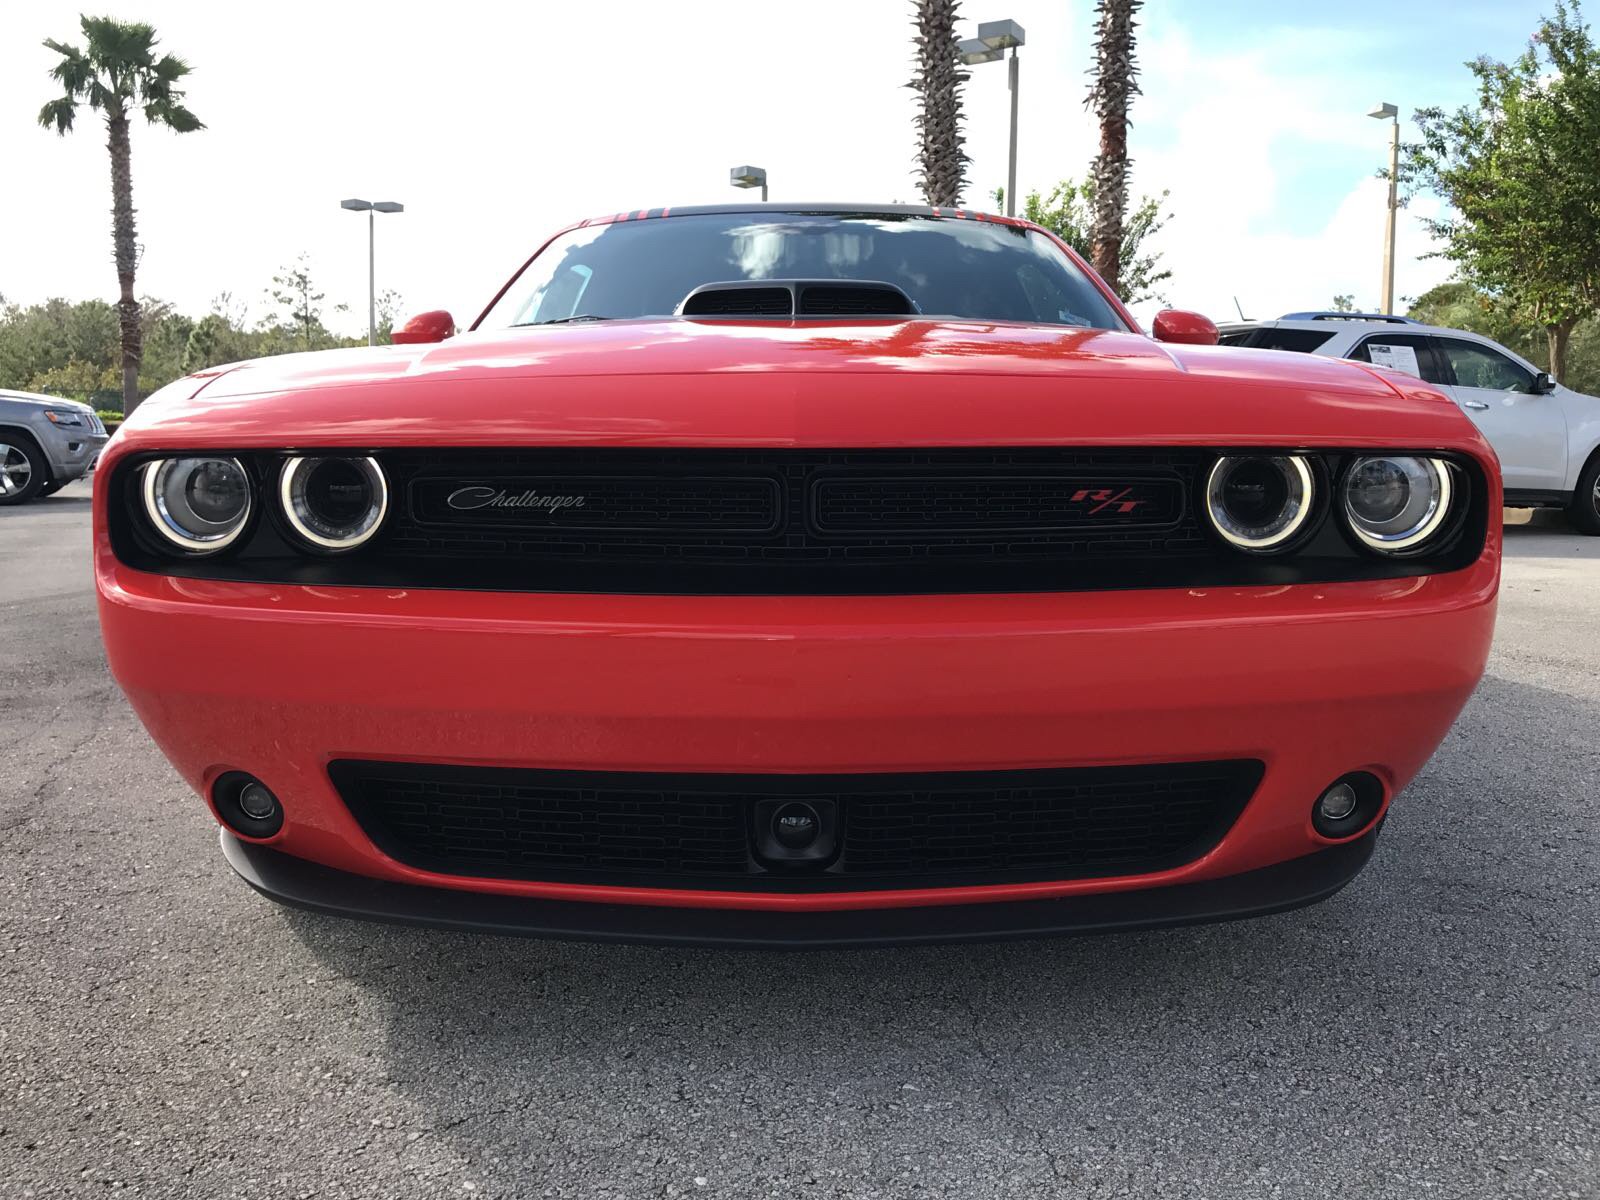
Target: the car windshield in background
(949, 267)
(1302, 340)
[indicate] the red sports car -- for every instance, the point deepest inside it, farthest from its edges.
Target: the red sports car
(798, 576)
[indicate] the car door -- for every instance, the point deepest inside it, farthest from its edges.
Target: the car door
(1528, 430)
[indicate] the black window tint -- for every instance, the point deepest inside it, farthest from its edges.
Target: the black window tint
(949, 267)
(1302, 341)
(1419, 344)
(1478, 366)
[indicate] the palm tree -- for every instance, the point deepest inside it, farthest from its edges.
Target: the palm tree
(116, 74)
(1114, 87)
(938, 82)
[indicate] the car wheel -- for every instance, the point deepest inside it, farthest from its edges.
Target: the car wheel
(1585, 510)
(54, 486)
(22, 468)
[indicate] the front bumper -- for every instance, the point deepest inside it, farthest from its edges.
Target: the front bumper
(1279, 888)
(1315, 681)
(72, 451)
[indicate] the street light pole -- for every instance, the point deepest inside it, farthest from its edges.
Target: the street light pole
(1391, 113)
(1011, 164)
(372, 208)
(372, 277)
(993, 40)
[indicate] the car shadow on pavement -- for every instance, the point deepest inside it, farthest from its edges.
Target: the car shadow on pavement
(1398, 1036)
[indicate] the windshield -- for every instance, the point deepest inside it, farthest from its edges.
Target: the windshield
(949, 267)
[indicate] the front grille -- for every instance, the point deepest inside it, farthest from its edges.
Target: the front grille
(696, 831)
(792, 521)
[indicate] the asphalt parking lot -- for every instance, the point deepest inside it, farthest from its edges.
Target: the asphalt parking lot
(1434, 1030)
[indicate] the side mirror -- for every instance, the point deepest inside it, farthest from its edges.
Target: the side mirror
(432, 326)
(1543, 385)
(1190, 328)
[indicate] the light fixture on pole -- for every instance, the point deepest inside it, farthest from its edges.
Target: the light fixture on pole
(749, 177)
(371, 208)
(1388, 112)
(993, 40)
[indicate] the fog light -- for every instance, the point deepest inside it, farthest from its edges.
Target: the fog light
(1348, 805)
(246, 805)
(1338, 802)
(259, 804)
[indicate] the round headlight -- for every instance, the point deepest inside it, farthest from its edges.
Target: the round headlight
(199, 505)
(1396, 503)
(334, 504)
(1259, 502)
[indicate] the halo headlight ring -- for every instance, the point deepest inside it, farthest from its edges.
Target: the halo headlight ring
(1291, 476)
(167, 489)
(304, 500)
(1432, 511)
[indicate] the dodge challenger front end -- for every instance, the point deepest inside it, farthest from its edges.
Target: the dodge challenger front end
(798, 577)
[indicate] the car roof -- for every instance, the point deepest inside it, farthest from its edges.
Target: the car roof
(1355, 322)
(819, 208)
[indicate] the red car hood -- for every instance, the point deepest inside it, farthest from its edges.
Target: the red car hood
(884, 383)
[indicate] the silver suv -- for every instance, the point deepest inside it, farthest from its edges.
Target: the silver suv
(45, 443)
(1547, 436)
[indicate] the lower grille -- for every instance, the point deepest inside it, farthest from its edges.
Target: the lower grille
(895, 830)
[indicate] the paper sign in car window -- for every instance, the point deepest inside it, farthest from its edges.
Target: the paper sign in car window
(1401, 358)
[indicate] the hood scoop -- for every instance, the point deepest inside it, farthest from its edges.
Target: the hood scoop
(789, 298)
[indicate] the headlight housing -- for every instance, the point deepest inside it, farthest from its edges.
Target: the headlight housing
(64, 416)
(1395, 503)
(1260, 503)
(198, 505)
(333, 504)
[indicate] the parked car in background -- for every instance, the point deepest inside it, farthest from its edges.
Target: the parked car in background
(1547, 435)
(45, 443)
(766, 575)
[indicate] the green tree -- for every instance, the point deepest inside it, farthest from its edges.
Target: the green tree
(76, 380)
(1519, 172)
(389, 307)
(300, 305)
(117, 74)
(1343, 303)
(938, 87)
(1459, 305)
(1068, 212)
(1115, 85)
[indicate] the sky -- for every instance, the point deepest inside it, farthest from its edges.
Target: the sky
(496, 124)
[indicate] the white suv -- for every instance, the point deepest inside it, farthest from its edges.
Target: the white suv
(1547, 436)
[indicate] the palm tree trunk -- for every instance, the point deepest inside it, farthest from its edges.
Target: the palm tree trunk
(1114, 88)
(122, 235)
(938, 83)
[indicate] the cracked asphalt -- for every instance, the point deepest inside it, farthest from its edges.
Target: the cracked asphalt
(1434, 1030)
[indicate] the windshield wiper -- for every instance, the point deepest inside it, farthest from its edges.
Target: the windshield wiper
(569, 320)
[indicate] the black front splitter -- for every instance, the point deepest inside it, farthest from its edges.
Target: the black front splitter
(294, 881)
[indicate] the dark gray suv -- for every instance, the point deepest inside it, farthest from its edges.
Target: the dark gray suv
(45, 443)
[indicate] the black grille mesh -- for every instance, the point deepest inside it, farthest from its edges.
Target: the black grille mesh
(694, 830)
(983, 505)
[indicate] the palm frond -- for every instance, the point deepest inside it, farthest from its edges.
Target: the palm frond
(58, 114)
(119, 43)
(173, 116)
(170, 68)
